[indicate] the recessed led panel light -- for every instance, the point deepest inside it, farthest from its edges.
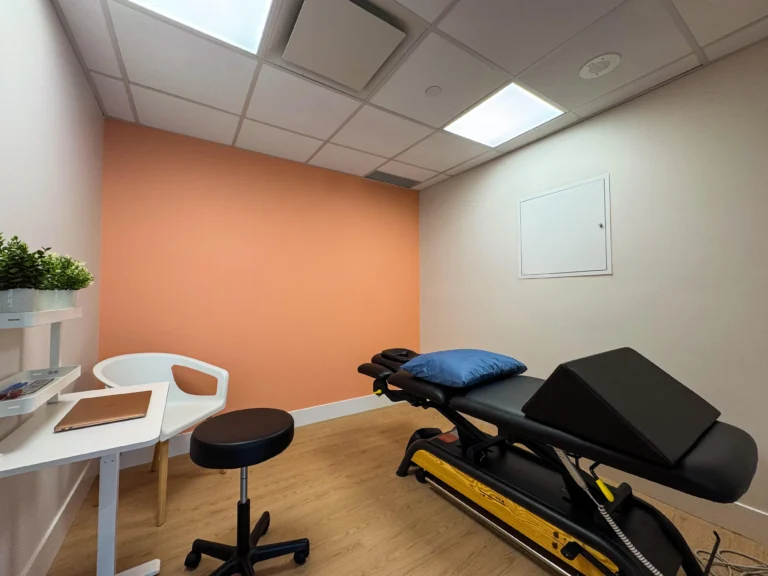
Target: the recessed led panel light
(237, 22)
(508, 113)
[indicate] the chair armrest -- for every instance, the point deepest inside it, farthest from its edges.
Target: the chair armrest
(221, 375)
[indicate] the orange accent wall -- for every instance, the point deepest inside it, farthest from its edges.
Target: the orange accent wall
(286, 275)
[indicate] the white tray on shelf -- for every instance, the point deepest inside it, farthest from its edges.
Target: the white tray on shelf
(40, 393)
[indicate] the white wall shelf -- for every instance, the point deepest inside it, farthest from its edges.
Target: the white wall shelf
(62, 376)
(29, 319)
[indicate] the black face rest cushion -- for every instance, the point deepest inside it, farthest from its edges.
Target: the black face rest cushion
(401, 355)
(393, 365)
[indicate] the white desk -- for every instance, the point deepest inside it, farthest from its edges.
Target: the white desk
(34, 445)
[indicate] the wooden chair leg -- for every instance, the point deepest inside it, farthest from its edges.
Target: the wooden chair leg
(162, 481)
(153, 465)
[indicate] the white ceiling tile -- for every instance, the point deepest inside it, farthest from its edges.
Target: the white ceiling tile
(431, 182)
(360, 42)
(285, 100)
(516, 33)
(738, 40)
(114, 97)
(407, 171)
(539, 132)
(710, 20)
(638, 86)
(642, 32)
(379, 132)
(162, 56)
(442, 151)
(276, 142)
(346, 160)
(175, 115)
(427, 9)
(463, 78)
(89, 27)
(482, 159)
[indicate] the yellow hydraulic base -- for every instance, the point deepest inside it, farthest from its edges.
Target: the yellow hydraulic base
(546, 535)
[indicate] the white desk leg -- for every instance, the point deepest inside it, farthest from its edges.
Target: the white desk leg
(109, 477)
(109, 480)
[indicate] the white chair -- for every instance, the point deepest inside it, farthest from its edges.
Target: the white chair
(182, 410)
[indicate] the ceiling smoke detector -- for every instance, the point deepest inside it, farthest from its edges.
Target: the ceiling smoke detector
(599, 66)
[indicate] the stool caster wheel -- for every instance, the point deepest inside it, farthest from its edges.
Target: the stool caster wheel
(192, 560)
(300, 557)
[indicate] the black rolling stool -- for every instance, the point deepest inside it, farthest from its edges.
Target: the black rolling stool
(237, 440)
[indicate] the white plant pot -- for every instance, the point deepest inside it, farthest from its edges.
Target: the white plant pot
(56, 299)
(19, 300)
(70, 298)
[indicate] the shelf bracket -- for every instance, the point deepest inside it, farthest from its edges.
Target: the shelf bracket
(55, 345)
(55, 353)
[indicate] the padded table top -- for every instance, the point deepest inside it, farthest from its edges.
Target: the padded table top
(719, 467)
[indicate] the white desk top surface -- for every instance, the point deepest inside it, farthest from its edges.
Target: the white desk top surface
(34, 445)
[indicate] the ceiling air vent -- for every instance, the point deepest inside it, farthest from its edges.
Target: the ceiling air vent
(392, 179)
(341, 40)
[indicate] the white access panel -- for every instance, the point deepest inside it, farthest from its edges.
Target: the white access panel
(566, 232)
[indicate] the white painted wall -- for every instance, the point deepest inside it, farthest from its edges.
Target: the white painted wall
(689, 195)
(50, 194)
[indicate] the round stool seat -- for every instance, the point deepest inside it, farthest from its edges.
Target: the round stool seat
(241, 438)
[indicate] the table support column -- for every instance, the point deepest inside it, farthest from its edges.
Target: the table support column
(109, 479)
(109, 482)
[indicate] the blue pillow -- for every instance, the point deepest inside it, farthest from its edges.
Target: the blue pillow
(463, 368)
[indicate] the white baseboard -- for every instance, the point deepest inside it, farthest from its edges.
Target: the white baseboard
(180, 444)
(338, 409)
(45, 553)
(749, 521)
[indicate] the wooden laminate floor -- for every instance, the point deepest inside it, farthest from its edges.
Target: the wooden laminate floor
(336, 486)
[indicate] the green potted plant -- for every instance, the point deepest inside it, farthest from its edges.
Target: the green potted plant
(64, 276)
(21, 275)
